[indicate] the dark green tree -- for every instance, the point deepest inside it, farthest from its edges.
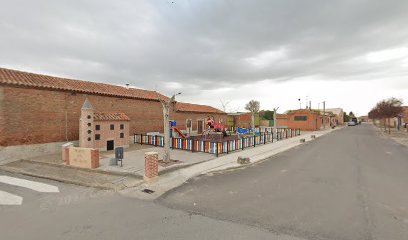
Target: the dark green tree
(346, 118)
(266, 115)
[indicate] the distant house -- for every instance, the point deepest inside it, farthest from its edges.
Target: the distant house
(339, 114)
(282, 120)
(192, 118)
(241, 119)
(306, 120)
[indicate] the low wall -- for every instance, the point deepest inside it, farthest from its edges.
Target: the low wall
(82, 157)
(14, 153)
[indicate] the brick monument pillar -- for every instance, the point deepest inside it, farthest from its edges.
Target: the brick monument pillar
(86, 126)
(151, 166)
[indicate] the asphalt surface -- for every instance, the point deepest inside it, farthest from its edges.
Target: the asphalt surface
(348, 185)
(87, 213)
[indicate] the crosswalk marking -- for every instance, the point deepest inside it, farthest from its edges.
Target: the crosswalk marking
(36, 186)
(10, 199)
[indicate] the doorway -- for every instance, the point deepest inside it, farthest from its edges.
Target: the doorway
(200, 126)
(110, 145)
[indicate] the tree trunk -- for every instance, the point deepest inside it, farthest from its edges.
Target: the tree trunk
(253, 122)
(166, 155)
(389, 126)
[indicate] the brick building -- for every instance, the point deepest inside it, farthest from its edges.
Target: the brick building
(101, 130)
(192, 118)
(305, 120)
(339, 115)
(281, 120)
(36, 108)
(242, 120)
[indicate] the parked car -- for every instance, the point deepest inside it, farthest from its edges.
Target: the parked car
(351, 123)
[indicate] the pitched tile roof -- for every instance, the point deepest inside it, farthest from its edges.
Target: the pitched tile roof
(103, 116)
(19, 78)
(189, 107)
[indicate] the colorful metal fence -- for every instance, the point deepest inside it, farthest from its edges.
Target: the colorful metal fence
(218, 147)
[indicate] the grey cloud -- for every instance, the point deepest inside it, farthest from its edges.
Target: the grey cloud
(202, 43)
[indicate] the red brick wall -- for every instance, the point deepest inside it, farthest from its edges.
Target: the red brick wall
(32, 116)
(2, 121)
(281, 120)
(312, 123)
(405, 113)
(107, 134)
(181, 117)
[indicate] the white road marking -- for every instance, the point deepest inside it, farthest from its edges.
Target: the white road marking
(36, 186)
(10, 199)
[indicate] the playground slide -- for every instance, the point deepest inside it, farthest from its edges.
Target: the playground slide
(179, 132)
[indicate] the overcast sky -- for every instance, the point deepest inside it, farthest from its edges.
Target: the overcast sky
(349, 53)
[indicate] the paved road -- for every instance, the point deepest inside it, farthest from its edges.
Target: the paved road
(348, 185)
(85, 213)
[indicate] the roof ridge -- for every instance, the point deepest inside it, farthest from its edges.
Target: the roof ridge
(23, 78)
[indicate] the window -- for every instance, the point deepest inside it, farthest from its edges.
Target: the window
(122, 135)
(97, 136)
(89, 139)
(112, 127)
(122, 126)
(300, 118)
(89, 131)
(189, 123)
(89, 124)
(89, 117)
(97, 127)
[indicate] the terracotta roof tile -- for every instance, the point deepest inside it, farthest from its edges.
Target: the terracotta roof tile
(103, 116)
(19, 78)
(189, 107)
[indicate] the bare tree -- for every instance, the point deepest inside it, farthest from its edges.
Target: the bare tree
(167, 104)
(224, 104)
(253, 106)
(386, 109)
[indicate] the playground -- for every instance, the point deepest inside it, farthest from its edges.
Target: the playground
(216, 138)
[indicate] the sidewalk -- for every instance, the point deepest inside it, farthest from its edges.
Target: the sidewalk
(133, 162)
(176, 178)
(129, 178)
(73, 175)
(400, 136)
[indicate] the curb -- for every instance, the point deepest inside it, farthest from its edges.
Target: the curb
(120, 174)
(55, 179)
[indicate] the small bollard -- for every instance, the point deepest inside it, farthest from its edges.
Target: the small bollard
(151, 166)
(313, 136)
(243, 160)
(302, 140)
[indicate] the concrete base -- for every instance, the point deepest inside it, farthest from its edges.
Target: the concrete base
(14, 153)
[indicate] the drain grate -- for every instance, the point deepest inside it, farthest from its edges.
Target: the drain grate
(148, 191)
